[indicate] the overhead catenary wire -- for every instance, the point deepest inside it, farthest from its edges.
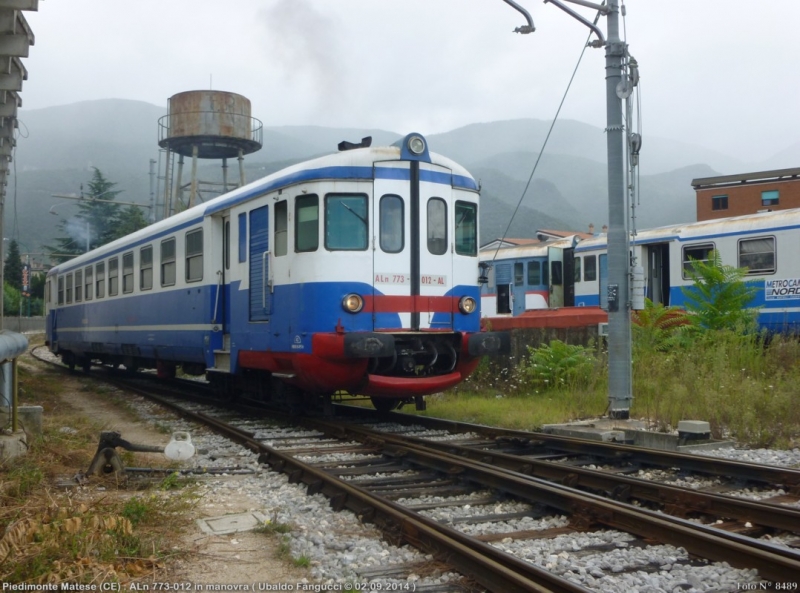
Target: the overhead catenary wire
(546, 139)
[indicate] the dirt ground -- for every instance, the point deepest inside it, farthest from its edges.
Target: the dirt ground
(201, 559)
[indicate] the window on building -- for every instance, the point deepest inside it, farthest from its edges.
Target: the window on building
(168, 262)
(534, 273)
(194, 255)
(69, 289)
(146, 268)
(346, 222)
(79, 286)
(519, 278)
(100, 280)
(306, 230)
(590, 268)
(692, 253)
(770, 197)
(88, 282)
(719, 203)
(281, 228)
(466, 228)
(113, 276)
(437, 226)
(757, 255)
(127, 272)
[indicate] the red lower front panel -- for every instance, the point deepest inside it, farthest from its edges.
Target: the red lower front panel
(328, 370)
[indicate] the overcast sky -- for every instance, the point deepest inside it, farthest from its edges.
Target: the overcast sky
(718, 73)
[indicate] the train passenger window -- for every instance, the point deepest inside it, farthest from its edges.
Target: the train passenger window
(194, 255)
(100, 280)
(47, 292)
(306, 230)
(88, 283)
(168, 262)
(242, 237)
(392, 227)
(346, 222)
(590, 268)
(534, 273)
(281, 228)
(113, 276)
(78, 286)
(557, 268)
(545, 274)
(61, 290)
(466, 228)
(127, 272)
(146, 268)
(226, 231)
(69, 289)
(697, 252)
(577, 269)
(437, 226)
(757, 255)
(518, 277)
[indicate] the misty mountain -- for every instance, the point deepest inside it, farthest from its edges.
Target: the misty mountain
(58, 146)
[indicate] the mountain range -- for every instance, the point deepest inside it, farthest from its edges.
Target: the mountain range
(58, 146)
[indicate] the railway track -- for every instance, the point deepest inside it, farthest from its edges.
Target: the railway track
(399, 482)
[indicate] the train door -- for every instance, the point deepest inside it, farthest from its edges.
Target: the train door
(412, 234)
(259, 257)
(555, 256)
(657, 270)
(519, 288)
(504, 286)
(221, 318)
(570, 268)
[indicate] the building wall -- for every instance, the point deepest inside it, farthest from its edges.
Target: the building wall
(745, 198)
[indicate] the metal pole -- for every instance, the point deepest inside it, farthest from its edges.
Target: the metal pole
(241, 168)
(179, 184)
(193, 195)
(619, 318)
(224, 176)
(152, 214)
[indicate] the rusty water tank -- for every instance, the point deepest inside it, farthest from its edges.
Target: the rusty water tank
(218, 123)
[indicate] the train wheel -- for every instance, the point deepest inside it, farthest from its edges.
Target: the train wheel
(385, 404)
(86, 364)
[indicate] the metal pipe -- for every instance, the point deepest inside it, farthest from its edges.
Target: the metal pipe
(193, 194)
(601, 40)
(241, 168)
(179, 181)
(224, 175)
(529, 28)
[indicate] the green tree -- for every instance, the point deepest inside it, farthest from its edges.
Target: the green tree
(129, 220)
(12, 270)
(719, 296)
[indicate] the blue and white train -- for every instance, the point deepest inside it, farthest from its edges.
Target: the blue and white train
(571, 272)
(353, 272)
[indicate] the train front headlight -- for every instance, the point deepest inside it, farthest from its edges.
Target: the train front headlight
(467, 305)
(352, 303)
(416, 145)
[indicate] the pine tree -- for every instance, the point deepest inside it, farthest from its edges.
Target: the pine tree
(12, 270)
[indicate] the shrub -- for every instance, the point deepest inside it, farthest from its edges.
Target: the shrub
(558, 366)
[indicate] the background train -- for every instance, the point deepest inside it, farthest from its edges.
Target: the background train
(572, 272)
(355, 272)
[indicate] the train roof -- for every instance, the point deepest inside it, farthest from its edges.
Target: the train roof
(707, 229)
(523, 251)
(354, 164)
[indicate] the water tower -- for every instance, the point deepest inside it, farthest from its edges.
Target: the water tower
(205, 125)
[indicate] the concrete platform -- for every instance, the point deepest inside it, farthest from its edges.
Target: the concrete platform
(633, 432)
(13, 445)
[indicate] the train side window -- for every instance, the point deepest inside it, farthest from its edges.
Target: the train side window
(194, 256)
(242, 237)
(61, 290)
(146, 268)
(69, 289)
(78, 286)
(127, 272)
(100, 280)
(346, 222)
(306, 230)
(281, 228)
(226, 232)
(557, 272)
(88, 283)
(113, 276)
(518, 274)
(545, 274)
(577, 269)
(437, 226)
(392, 229)
(47, 291)
(466, 228)
(534, 273)
(590, 268)
(168, 262)
(697, 252)
(757, 255)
